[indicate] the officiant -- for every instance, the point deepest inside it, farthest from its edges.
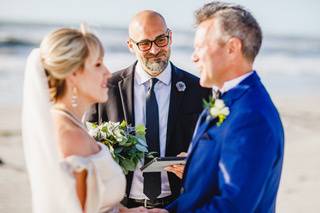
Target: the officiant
(153, 92)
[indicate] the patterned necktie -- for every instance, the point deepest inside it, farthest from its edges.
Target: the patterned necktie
(152, 180)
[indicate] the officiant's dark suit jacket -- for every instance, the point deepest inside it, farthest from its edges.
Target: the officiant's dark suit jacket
(185, 107)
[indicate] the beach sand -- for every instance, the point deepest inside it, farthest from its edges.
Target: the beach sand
(300, 183)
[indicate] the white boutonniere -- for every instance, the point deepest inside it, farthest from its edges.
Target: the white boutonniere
(181, 86)
(217, 109)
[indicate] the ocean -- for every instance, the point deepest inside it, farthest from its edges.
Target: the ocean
(288, 65)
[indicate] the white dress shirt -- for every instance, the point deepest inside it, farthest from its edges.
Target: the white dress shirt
(162, 91)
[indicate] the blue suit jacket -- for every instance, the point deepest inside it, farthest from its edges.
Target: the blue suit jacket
(235, 167)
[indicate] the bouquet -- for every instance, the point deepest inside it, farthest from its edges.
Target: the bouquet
(127, 144)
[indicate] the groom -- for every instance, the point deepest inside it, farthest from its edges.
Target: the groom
(156, 93)
(234, 164)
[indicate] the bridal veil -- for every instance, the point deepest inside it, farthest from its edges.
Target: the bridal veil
(53, 190)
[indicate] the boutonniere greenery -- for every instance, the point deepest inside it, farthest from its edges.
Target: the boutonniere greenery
(217, 109)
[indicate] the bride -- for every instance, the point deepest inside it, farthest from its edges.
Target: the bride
(69, 171)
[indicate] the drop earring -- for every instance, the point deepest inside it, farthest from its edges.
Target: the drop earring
(74, 98)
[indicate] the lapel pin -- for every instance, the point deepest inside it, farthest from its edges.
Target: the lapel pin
(181, 86)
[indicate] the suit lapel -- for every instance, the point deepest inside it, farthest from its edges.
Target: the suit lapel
(126, 94)
(208, 122)
(176, 98)
(202, 126)
(201, 119)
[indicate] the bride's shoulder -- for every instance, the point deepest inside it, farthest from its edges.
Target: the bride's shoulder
(73, 140)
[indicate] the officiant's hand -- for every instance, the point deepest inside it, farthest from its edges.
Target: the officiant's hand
(177, 169)
(133, 210)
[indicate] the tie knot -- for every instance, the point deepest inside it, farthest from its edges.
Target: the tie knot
(152, 83)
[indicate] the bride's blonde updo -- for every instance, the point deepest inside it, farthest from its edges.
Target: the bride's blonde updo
(64, 51)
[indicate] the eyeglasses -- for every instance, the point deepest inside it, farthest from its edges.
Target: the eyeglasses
(160, 41)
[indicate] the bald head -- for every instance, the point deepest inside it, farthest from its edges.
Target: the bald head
(146, 22)
(150, 40)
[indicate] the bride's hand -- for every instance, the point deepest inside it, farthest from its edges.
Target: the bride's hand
(133, 210)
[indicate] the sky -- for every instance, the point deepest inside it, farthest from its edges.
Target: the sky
(278, 17)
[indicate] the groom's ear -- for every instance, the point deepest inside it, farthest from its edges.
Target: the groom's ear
(234, 46)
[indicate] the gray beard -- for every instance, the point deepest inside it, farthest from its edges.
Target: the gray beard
(156, 66)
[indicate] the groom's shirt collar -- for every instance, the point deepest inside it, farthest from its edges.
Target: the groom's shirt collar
(228, 85)
(142, 76)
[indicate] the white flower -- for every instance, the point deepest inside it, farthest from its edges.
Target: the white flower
(214, 111)
(93, 132)
(117, 134)
(218, 109)
(219, 104)
(225, 111)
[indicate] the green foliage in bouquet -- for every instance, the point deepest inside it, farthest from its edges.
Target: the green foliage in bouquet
(127, 144)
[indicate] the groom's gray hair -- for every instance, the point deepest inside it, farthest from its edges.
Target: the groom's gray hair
(234, 21)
